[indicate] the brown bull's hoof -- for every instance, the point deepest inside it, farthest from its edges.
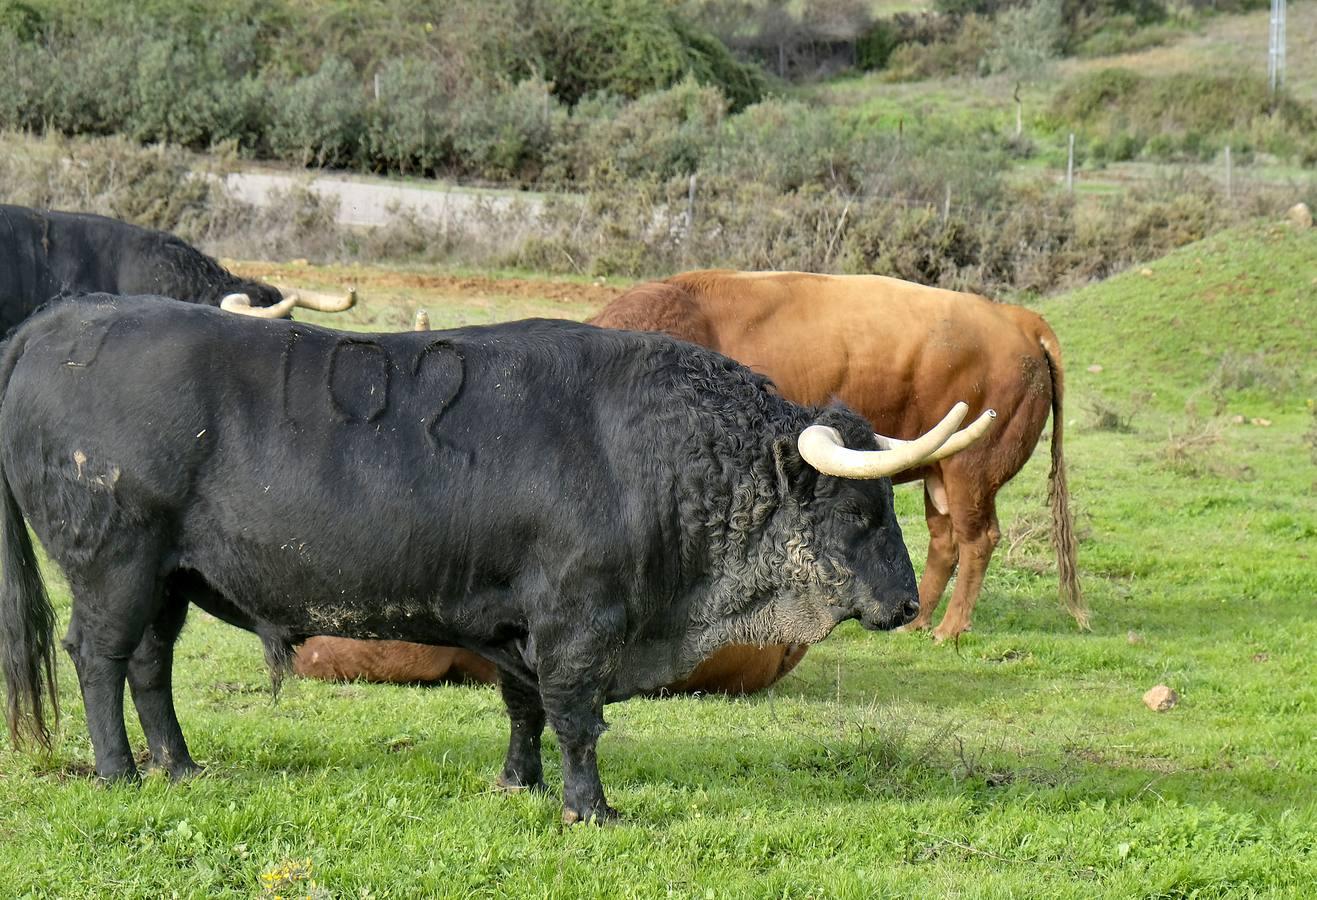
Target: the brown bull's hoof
(741, 669)
(390, 662)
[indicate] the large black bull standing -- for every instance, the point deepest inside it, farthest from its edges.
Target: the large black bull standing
(44, 253)
(595, 511)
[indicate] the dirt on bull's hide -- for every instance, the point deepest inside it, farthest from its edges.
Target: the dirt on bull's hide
(389, 662)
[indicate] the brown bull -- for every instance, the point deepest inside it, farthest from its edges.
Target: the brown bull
(893, 351)
(900, 354)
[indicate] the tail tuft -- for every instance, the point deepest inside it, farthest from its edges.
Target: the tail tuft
(1058, 494)
(27, 629)
(27, 621)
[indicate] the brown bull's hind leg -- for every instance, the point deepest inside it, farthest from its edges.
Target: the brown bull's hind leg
(977, 535)
(941, 553)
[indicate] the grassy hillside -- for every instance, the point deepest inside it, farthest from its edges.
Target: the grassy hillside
(1020, 763)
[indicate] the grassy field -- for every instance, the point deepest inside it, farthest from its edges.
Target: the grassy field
(1019, 763)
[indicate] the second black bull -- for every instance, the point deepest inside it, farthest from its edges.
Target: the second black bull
(595, 511)
(47, 253)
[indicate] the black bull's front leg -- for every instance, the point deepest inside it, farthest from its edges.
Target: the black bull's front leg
(565, 684)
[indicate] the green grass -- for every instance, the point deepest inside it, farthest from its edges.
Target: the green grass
(1020, 763)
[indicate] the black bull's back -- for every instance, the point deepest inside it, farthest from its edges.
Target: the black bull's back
(592, 510)
(46, 253)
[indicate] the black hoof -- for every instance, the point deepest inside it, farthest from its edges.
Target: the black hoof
(514, 785)
(600, 814)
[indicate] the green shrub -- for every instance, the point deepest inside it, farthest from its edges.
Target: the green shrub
(318, 119)
(96, 97)
(408, 127)
(786, 144)
(664, 134)
(507, 133)
(962, 51)
(23, 21)
(632, 47)
(198, 90)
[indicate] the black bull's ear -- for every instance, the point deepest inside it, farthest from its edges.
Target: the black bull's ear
(795, 477)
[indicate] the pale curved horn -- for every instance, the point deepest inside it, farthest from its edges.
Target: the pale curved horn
(242, 305)
(422, 322)
(823, 448)
(321, 302)
(957, 442)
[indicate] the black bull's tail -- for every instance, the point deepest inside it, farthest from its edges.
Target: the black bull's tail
(27, 621)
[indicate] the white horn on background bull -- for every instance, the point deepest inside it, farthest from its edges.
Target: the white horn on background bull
(957, 442)
(823, 448)
(422, 322)
(242, 305)
(321, 302)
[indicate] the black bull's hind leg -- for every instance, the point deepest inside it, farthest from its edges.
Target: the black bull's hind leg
(150, 675)
(524, 768)
(113, 607)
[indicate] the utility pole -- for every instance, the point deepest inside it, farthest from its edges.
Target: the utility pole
(1276, 56)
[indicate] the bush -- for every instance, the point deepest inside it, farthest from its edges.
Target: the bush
(408, 127)
(472, 87)
(664, 134)
(786, 145)
(151, 186)
(198, 90)
(632, 47)
(507, 133)
(960, 50)
(318, 119)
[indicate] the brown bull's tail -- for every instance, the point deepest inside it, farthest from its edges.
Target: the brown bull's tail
(1058, 495)
(27, 621)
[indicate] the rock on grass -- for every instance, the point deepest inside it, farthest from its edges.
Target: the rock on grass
(1160, 698)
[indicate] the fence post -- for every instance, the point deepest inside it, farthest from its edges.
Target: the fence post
(1070, 166)
(1230, 176)
(377, 86)
(690, 209)
(946, 205)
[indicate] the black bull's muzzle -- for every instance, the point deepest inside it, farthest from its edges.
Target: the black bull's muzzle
(888, 614)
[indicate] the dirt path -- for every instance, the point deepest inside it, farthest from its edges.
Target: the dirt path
(376, 201)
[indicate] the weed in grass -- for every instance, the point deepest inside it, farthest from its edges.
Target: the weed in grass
(1104, 414)
(1189, 449)
(1027, 540)
(290, 878)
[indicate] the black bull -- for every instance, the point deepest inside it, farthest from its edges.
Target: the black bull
(44, 253)
(595, 511)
